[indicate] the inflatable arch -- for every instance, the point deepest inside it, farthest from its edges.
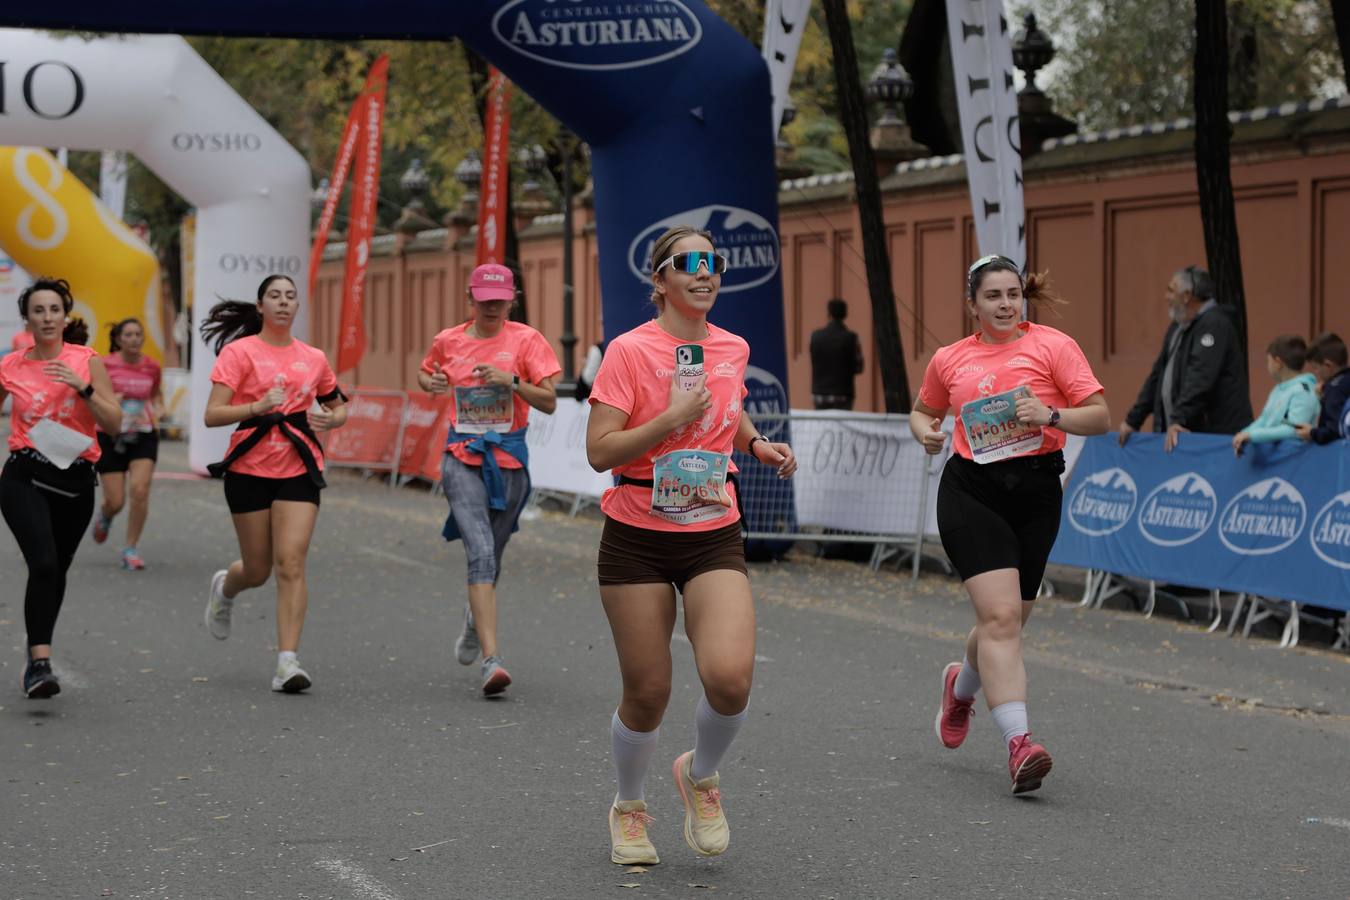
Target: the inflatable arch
(155, 97)
(673, 102)
(51, 223)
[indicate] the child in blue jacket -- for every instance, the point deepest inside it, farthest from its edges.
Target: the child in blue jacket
(1292, 402)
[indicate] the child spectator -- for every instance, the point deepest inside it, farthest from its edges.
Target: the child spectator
(1293, 400)
(1327, 360)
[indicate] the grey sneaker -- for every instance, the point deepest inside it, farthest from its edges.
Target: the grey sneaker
(495, 678)
(218, 608)
(290, 678)
(466, 645)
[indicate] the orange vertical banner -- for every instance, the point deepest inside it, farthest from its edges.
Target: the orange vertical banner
(496, 162)
(351, 133)
(361, 228)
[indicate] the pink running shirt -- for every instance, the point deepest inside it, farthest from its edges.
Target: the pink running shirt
(517, 348)
(39, 396)
(635, 377)
(251, 366)
(137, 382)
(22, 341)
(1044, 359)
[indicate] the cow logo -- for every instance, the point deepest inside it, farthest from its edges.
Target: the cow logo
(1178, 511)
(1330, 533)
(1206, 340)
(748, 240)
(597, 35)
(1103, 502)
(1263, 518)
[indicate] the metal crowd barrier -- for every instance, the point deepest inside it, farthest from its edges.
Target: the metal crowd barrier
(373, 436)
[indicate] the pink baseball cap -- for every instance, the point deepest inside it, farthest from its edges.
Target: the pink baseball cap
(492, 282)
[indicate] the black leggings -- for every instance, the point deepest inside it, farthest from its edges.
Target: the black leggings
(48, 527)
(1001, 515)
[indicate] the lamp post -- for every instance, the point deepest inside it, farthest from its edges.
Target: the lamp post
(567, 146)
(414, 182)
(890, 85)
(1032, 51)
(469, 173)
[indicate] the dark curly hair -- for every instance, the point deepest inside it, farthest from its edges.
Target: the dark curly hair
(76, 331)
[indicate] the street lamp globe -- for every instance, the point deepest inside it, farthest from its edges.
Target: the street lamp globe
(890, 85)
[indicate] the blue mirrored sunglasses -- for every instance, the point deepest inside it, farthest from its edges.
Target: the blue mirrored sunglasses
(689, 261)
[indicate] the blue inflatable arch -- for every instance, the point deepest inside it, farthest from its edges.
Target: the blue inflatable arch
(673, 102)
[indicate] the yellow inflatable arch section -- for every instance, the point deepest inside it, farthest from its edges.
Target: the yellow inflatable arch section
(53, 225)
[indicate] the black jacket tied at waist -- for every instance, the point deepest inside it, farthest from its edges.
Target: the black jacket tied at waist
(291, 426)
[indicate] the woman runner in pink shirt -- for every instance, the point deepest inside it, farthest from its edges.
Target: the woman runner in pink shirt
(1016, 389)
(60, 392)
(673, 523)
(130, 455)
(268, 382)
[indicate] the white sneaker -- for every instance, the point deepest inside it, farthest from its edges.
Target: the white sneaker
(218, 608)
(290, 678)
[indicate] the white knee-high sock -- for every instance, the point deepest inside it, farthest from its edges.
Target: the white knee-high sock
(1011, 718)
(967, 681)
(713, 736)
(632, 752)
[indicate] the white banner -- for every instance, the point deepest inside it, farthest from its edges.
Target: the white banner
(558, 451)
(982, 64)
(112, 182)
(784, 22)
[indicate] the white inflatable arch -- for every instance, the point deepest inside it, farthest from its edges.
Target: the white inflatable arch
(155, 97)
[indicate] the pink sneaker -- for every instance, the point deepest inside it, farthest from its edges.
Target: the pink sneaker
(1028, 763)
(131, 560)
(102, 524)
(954, 714)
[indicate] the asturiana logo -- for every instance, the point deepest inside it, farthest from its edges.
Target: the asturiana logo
(597, 35)
(766, 402)
(1263, 518)
(1330, 532)
(1178, 511)
(994, 406)
(748, 240)
(1103, 502)
(693, 464)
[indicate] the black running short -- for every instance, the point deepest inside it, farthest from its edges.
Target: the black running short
(632, 555)
(250, 493)
(1001, 515)
(118, 452)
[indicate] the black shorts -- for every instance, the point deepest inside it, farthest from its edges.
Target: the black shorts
(251, 493)
(1001, 515)
(632, 555)
(118, 452)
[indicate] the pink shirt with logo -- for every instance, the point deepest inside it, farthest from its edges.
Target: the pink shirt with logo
(250, 367)
(635, 377)
(135, 381)
(517, 349)
(1044, 359)
(39, 396)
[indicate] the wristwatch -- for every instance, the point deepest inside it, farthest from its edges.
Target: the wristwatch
(1054, 418)
(88, 391)
(750, 447)
(515, 382)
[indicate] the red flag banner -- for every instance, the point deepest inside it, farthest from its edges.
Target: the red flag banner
(361, 228)
(496, 137)
(346, 150)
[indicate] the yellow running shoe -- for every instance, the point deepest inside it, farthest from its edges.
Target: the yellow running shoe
(628, 841)
(705, 826)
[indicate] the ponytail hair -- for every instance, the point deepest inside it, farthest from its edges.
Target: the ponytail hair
(230, 320)
(1040, 294)
(115, 333)
(76, 331)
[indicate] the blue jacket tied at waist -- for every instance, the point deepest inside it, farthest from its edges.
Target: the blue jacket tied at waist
(513, 442)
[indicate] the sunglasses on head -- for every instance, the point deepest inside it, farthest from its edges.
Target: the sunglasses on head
(988, 260)
(689, 261)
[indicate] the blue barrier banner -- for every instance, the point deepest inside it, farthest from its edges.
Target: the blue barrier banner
(1274, 522)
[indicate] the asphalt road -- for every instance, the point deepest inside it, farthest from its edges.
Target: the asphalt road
(1186, 765)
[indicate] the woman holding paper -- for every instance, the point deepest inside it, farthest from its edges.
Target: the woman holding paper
(279, 391)
(665, 417)
(494, 370)
(61, 391)
(1017, 388)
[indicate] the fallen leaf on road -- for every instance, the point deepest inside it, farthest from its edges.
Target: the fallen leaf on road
(635, 870)
(397, 858)
(200, 679)
(706, 887)
(631, 884)
(979, 823)
(146, 671)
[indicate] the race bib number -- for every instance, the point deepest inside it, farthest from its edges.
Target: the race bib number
(992, 429)
(690, 486)
(483, 408)
(135, 418)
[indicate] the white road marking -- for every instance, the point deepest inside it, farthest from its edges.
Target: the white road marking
(685, 639)
(364, 886)
(398, 558)
(1326, 820)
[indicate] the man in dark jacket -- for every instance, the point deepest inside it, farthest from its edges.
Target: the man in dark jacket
(1327, 358)
(836, 359)
(1198, 382)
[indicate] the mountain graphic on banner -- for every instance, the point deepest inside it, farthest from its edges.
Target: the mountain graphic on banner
(1112, 478)
(1188, 485)
(1273, 489)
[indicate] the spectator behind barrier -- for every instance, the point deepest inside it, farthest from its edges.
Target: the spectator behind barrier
(1327, 360)
(1199, 381)
(836, 360)
(1293, 400)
